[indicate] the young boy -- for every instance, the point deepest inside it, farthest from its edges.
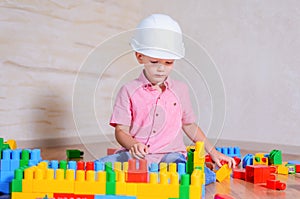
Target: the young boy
(152, 111)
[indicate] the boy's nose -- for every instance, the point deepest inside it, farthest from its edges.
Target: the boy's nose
(161, 67)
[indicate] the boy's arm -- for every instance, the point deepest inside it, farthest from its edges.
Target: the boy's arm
(196, 134)
(137, 150)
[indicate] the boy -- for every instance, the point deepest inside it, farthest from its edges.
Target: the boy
(151, 111)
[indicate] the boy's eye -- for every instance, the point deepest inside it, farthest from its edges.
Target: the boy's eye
(169, 62)
(153, 62)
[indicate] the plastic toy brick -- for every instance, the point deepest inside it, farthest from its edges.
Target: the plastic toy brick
(259, 173)
(111, 151)
(74, 153)
(4, 187)
(222, 196)
(20, 195)
(86, 183)
(230, 151)
(239, 174)
(135, 174)
(247, 160)
(297, 165)
(16, 184)
(163, 189)
(260, 159)
(196, 184)
(12, 144)
(110, 182)
(282, 169)
(223, 173)
(276, 184)
(275, 157)
(291, 168)
(184, 189)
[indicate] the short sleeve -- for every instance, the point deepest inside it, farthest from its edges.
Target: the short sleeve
(122, 109)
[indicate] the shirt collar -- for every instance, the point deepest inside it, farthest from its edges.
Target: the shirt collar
(145, 82)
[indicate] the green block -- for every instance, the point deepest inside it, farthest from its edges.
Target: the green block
(74, 153)
(108, 166)
(184, 188)
(110, 183)
(16, 184)
(24, 158)
(190, 162)
(275, 157)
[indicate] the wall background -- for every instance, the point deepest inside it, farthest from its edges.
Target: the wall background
(254, 44)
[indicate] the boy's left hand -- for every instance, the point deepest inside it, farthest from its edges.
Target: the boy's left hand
(217, 157)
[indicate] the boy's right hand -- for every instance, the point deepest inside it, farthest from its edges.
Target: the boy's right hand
(138, 150)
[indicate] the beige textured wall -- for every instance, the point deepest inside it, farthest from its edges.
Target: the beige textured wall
(255, 45)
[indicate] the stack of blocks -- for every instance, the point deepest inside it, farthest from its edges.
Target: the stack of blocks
(12, 160)
(103, 180)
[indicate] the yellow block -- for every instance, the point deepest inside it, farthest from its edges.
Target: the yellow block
(90, 185)
(21, 195)
(12, 144)
(281, 169)
(223, 173)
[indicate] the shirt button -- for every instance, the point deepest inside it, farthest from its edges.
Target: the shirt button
(156, 114)
(148, 145)
(154, 131)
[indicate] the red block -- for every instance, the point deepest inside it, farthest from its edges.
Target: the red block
(111, 151)
(90, 166)
(258, 173)
(135, 174)
(276, 184)
(239, 174)
(237, 160)
(208, 158)
(297, 168)
(72, 196)
(222, 196)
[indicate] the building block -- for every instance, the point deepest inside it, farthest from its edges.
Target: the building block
(260, 159)
(259, 173)
(20, 195)
(110, 182)
(16, 184)
(163, 189)
(282, 169)
(239, 174)
(111, 151)
(184, 189)
(196, 184)
(291, 168)
(222, 196)
(12, 144)
(223, 173)
(230, 151)
(276, 184)
(135, 174)
(74, 153)
(4, 187)
(275, 157)
(247, 160)
(86, 183)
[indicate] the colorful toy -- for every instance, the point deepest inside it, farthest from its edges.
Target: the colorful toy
(259, 173)
(275, 184)
(223, 173)
(222, 196)
(74, 153)
(275, 157)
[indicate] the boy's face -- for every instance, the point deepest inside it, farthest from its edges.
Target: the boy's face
(156, 70)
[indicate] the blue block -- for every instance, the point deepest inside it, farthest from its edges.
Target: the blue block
(4, 187)
(99, 166)
(35, 155)
(247, 160)
(14, 164)
(5, 161)
(295, 162)
(53, 164)
(72, 165)
(7, 176)
(153, 167)
(210, 176)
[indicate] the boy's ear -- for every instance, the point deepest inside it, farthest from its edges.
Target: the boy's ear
(139, 57)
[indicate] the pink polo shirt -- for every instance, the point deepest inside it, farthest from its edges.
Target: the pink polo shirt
(155, 118)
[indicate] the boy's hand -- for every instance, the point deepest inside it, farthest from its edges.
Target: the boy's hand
(219, 157)
(138, 151)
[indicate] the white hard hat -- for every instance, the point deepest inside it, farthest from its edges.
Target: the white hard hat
(158, 36)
